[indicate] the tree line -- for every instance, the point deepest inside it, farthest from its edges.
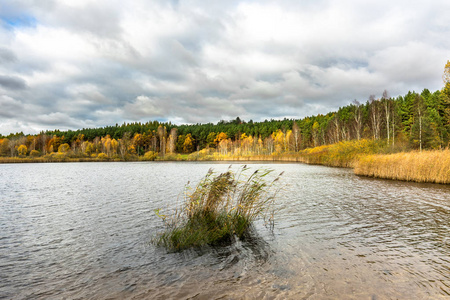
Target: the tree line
(413, 121)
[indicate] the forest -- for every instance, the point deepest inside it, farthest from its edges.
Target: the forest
(413, 121)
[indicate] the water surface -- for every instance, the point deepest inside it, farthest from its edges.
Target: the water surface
(83, 230)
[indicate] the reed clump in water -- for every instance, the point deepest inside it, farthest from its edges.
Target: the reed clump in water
(425, 166)
(218, 209)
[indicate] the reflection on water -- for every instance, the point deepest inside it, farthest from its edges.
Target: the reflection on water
(80, 231)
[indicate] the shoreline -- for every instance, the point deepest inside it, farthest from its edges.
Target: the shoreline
(431, 166)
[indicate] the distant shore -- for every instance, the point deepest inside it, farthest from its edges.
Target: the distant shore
(365, 157)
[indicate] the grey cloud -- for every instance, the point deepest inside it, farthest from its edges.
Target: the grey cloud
(102, 20)
(191, 108)
(57, 119)
(144, 106)
(12, 83)
(94, 18)
(7, 56)
(9, 107)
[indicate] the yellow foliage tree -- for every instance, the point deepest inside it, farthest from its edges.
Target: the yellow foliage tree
(279, 141)
(22, 150)
(260, 145)
(223, 146)
(446, 76)
(106, 145)
(315, 133)
(188, 145)
(87, 148)
(290, 143)
(220, 137)
(63, 148)
(446, 93)
(4, 146)
(34, 153)
(114, 146)
(246, 144)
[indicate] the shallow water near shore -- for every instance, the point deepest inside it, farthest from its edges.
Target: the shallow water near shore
(83, 230)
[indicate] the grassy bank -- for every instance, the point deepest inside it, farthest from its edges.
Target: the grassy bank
(425, 166)
(342, 154)
(14, 160)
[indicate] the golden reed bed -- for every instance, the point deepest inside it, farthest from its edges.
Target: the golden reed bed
(425, 166)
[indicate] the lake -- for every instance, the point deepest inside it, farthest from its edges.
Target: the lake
(84, 230)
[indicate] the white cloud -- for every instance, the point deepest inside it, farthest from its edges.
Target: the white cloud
(414, 62)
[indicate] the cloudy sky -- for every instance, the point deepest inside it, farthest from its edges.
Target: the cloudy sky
(74, 64)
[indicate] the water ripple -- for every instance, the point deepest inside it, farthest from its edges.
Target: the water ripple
(80, 231)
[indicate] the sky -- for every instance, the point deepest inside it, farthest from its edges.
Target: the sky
(68, 64)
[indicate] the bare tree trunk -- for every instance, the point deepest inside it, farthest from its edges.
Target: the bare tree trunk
(296, 134)
(162, 140)
(387, 109)
(375, 117)
(357, 117)
(420, 128)
(172, 140)
(393, 130)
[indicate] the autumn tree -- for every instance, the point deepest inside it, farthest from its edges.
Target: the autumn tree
(77, 141)
(106, 145)
(162, 139)
(34, 153)
(334, 129)
(138, 143)
(315, 133)
(357, 119)
(188, 145)
(31, 143)
(386, 101)
(124, 143)
(87, 148)
(12, 145)
(220, 137)
(259, 146)
(63, 148)
(54, 143)
(268, 142)
(210, 140)
(375, 116)
(43, 141)
(279, 141)
(4, 147)
(446, 75)
(22, 150)
(172, 143)
(247, 144)
(296, 136)
(114, 146)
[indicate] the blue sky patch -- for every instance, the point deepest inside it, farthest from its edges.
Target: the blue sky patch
(21, 21)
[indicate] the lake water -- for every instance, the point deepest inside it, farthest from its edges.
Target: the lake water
(83, 231)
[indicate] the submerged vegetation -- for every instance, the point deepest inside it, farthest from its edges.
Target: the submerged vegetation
(220, 208)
